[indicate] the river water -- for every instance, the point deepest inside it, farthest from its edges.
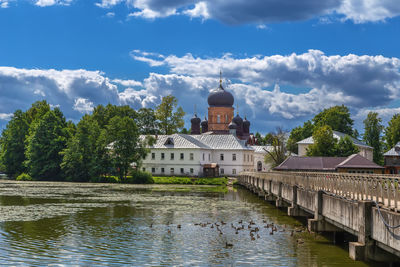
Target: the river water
(46, 223)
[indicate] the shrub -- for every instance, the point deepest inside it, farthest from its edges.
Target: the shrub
(139, 177)
(24, 177)
(105, 179)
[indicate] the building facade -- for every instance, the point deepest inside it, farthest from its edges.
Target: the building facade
(364, 150)
(194, 155)
(392, 160)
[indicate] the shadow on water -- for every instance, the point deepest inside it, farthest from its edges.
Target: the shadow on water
(102, 224)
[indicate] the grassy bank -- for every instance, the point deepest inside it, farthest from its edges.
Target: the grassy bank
(190, 180)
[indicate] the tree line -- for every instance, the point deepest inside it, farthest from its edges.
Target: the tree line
(41, 144)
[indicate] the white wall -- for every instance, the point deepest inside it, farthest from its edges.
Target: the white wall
(244, 161)
(177, 163)
(260, 157)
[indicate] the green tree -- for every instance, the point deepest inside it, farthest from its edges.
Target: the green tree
(392, 131)
(259, 139)
(337, 117)
(345, 147)
(277, 154)
(324, 143)
(12, 144)
(125, 144)
(47, 138)
(299, 133)
(147, 121)
(170, 115)
(372, 135)
(79, 158)
(103, 114)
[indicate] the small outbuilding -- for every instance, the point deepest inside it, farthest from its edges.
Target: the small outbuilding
(392, 160)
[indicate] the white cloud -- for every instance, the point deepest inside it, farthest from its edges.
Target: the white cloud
(45, 3)
(127, 83)
(308, 83)
(83, 105)
(263, 11)
(6, 116)
(110, 15)
(4, 3)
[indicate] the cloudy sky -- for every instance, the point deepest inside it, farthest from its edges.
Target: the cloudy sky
(283, 60)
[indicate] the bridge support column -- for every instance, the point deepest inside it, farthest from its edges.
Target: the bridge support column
(294, 209)
(361, 250)
(279, 203)
(318, 224)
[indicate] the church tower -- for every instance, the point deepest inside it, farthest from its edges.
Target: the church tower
(220, 110)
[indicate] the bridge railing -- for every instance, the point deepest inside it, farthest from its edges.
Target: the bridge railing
(384, 189)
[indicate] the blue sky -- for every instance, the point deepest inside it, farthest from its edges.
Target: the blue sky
(284, 61)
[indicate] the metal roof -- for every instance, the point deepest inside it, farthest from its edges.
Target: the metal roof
(326, 163)
(226, 142)
(337, 135)
(394, 151)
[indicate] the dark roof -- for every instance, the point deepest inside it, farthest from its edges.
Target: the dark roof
(220, 98)
(358, 161)
(326, 163)
(310, 163)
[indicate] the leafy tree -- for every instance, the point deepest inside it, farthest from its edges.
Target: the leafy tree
(324, 143)
(47, 138)
(345, 147)
(269, 138)
(392, 131)
(185, 131)
(169, 115)
(125, 144)
(259, 139)
(12, 144)
(79, 158)
(37, 111)
(147, 121)
(277, 154)
(299, 133)
(372, 135)
(103, 114)
(337, 117)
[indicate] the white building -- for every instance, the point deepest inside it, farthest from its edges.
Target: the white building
(191, 155)
(365, 150)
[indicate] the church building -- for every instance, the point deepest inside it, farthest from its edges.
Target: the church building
(221, 119)
(217, 146)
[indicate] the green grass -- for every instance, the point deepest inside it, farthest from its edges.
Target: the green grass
(190, 180)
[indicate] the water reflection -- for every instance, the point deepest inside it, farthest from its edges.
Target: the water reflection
(85, 224)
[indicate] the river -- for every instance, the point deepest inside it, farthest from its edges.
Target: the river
(53, 223)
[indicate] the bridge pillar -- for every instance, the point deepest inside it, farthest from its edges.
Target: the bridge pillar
(318, 224)
(279, 203)
(294, 209)
(362, 249)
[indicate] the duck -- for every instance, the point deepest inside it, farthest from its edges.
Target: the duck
(271, 233)
(291, 233)
(179, 226)
(228, 245)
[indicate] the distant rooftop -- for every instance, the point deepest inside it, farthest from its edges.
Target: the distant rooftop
(337, 135)
(395, 151)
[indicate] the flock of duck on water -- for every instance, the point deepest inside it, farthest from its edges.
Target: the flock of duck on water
(254, 230)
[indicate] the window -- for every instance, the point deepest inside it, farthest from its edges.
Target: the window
(153, 155)
(233, 171)
(191, 170)
(144, 169)
(222, 171)
(209, 157)
(162, 170)
(172, 156)
(221, 157)
(204, 156)
(182, 156)
(218, 118)
(233, 157)
(162, 156)
(172, 170)
(248, 157)
(191, 156)
(153, 170)
(251, 158)
(226, 118)
(182, 170)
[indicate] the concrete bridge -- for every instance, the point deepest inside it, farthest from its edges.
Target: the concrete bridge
(364, 205)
